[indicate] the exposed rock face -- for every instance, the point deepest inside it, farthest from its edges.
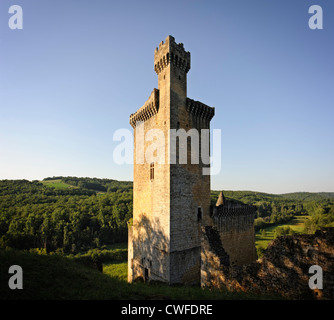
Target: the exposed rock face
(283, 270)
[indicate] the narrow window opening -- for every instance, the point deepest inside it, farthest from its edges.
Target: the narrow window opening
(199, 214)
(146, 274)
(152, 171)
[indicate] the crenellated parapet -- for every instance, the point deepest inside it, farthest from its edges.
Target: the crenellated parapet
(149, 109)
(233, 219)
(170, 52)
(200, 109)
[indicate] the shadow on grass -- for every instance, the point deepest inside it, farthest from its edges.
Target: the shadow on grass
(52, 277)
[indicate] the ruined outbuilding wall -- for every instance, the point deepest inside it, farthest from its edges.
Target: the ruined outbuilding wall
(235, 226)
(284, 268)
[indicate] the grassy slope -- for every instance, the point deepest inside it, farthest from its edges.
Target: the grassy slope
(54, 277)
(296, 224)
(57, 184)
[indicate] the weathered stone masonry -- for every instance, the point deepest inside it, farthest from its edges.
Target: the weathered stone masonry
(234, 223)
(164, 241)
(172, 201)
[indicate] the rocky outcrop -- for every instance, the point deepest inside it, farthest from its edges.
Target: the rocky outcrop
(284, 269)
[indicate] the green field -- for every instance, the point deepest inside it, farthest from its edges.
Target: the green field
(296, 224)
(118, 270)
(57, 184)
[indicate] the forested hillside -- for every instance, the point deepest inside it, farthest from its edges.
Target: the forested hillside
(70, 215)
(33, 215)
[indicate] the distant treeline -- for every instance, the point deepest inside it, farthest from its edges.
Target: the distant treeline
(33, 215)
(274, 209)
(95, 212)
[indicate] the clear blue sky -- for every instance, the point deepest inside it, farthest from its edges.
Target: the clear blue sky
(78, 69)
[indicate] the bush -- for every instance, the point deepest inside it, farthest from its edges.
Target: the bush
(96, 257)
(282, 231)
(260, 251)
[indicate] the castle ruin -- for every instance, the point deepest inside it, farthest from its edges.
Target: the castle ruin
(174, 222)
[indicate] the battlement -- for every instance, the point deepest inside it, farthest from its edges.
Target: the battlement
(232, 217)
(233, 223)
(200, 109)
(229, 216)
(149, 109)
(171, 52)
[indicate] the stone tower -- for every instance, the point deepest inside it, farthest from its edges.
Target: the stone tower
(170, 198)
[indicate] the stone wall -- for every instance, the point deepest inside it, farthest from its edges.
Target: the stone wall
(283, 270)
(234, 223)
(164, 241)
(149, 238)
